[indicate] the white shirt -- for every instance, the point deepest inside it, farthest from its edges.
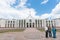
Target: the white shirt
(46, 28)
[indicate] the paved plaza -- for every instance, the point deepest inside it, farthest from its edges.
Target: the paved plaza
(27, 34)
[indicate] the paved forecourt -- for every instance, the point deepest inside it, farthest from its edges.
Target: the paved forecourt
(28, 34)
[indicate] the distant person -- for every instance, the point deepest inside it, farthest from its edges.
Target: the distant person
(50, 31)
(46, 32)
(54, 31)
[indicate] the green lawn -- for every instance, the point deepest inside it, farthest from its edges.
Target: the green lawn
(12, 30)
(42, 30)
(58, 30)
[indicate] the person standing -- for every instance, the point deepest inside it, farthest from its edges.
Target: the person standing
(46, 32)
(54, 31)
(49, 31)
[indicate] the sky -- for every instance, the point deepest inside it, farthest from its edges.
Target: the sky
(21, 9)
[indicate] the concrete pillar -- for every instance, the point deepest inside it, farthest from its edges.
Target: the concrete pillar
(34, 25)
(20, 24)
(23, 23)
(37, 23)
(28, 25)
(40, 23)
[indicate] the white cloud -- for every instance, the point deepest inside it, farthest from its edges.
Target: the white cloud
(22, 4)
(44, 16)
(56, 10)
(44, 2)
(55, 13)
(6, 11)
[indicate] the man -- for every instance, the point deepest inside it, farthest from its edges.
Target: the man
(46, 32)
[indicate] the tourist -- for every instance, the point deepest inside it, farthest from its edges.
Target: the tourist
(49, 31)
(46, 32)
(54, 31)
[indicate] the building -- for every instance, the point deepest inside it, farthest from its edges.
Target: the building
(29, 22)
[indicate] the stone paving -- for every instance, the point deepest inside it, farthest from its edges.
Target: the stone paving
(28, 34)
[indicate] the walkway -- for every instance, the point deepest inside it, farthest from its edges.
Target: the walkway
(28, 34)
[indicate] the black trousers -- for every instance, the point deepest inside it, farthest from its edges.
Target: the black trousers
(50, 34)
(46, 34)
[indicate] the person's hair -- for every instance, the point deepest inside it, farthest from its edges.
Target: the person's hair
(52, 26)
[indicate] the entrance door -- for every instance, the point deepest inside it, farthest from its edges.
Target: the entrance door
(33, 25)
(27, 25)
(30, 25)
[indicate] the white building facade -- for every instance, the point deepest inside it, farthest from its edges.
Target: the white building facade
(29, 22)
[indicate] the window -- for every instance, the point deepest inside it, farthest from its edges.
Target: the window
(8, 21)
(13, 21)
(30, 20)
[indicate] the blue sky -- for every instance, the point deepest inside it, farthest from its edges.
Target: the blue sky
(40, 8)
(23, 8)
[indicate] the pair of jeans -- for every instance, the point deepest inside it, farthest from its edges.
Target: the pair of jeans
(50, 34)
(46, 33)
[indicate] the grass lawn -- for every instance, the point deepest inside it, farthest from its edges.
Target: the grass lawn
(58, 30)
(42, 30)
(12, 30)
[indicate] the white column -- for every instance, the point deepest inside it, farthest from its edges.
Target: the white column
(34, 25)
(54, 23)
(9, 24)
(42, 23)
(31, 25)
(28, 25)
(45, 23)
(20, 23)
(23, 23)
(37, 23)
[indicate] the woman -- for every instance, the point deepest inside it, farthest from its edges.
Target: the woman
(54, 31)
